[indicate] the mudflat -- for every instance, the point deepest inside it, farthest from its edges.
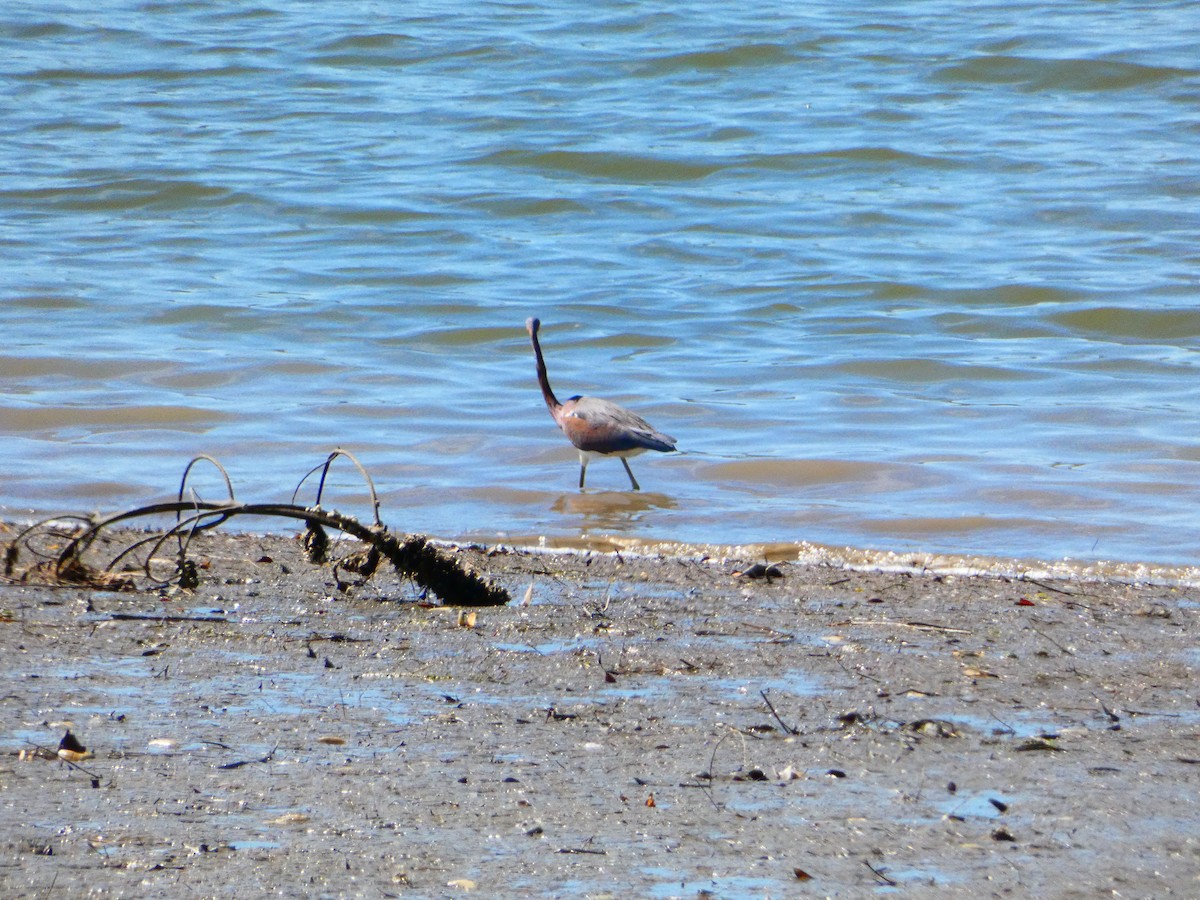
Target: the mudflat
(651, 726)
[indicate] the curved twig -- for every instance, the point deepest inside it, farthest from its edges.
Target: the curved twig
(324, 468)
(191, 523)
(184, 541)
(82, 541)
(204, 457)
(44, 522)
(12, 553)
(713, 761)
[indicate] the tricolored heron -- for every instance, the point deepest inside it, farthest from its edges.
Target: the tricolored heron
(598, 427)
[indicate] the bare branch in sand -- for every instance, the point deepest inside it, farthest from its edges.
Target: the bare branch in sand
(60, 551)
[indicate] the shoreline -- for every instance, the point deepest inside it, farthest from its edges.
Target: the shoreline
(858, 560)
(793, 552)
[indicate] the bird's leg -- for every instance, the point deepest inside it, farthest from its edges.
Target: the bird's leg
(582, 470)
(632, 480)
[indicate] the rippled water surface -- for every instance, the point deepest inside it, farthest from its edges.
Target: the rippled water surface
(911, 276)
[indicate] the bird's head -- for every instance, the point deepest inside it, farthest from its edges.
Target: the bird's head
(532, 325)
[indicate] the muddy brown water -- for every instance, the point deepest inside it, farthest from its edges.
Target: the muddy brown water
(651, 727)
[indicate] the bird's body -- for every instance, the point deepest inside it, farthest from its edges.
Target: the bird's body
(598, 427)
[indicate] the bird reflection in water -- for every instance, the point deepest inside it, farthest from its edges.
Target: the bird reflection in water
(611, 512)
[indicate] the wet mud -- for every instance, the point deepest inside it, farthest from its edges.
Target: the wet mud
(628, 726)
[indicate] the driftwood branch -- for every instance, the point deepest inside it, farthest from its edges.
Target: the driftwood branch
(410, 555)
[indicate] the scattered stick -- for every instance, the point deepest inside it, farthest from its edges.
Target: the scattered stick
(775, 634)
(919, 626)
(1067, 650)
(1148, 712)
(883, 879)
(713, 761)
(1050, 587)
(1008, 729)
(134, 617)
(1112, 716)
(246, 762)
(786, 727)
(856, 671)
(43, 753)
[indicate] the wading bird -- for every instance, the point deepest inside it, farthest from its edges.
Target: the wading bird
(598, 427)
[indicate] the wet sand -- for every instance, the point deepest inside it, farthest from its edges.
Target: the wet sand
(650, 726)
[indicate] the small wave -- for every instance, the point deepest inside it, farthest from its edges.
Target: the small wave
(517, 206)
(803, 472)
(740, 56)
(870, 156)
(40, 30)
(1007, 295)
(151, 76)
(379, 215)
(622, 167)
(1059, 74)
(637, 168)
(129, 194)
(1139, 324)
(365, 60)
(57, 418)
(933, 371)
(46, 302)
(359, 42)
(66, 366)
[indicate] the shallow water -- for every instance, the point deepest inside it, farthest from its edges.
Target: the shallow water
(917, 279)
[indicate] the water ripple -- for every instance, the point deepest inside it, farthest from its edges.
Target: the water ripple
(740, 56)
(129, 194)
(1038, 74)
(609, 166)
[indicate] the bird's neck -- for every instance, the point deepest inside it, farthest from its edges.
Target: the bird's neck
(544, 380)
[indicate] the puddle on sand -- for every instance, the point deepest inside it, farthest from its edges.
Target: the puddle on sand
(906, 880)
(28, 738)
(975, 806)
(551, 647)
(254, 845)
(795, 684)
(1014, 724)
(667, 885)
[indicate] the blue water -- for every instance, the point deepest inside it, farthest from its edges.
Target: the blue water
(896, 276)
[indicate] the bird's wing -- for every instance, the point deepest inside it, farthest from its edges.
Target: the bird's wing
(602, 426)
